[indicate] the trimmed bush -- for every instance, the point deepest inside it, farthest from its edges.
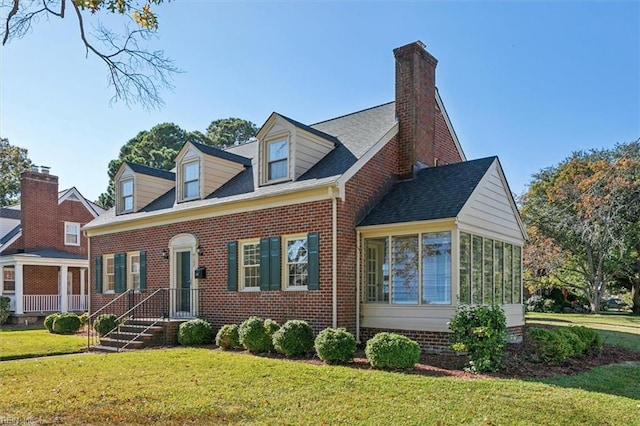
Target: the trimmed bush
(335, 346)
(592, 340)
(227, 337)
(48, 321)
(67, 323)
(481, 332)
(577, 345)
(83, 318)
(195, 332)
(270, 327)
(5, 302)
(391, 350)
(104, 323)
(294, 339)
(253, 335)
(550, 346)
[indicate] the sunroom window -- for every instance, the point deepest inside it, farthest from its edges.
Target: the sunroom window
(408, 269)
(277, 159)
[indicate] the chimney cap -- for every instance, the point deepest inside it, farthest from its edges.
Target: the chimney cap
(34, 168)
(45, 170)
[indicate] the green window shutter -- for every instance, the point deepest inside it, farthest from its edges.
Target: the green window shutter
(264, 264)
(120, 266)
(274, 263)
(143, 270)
(232, 266)
(313, 265)
(98, 274)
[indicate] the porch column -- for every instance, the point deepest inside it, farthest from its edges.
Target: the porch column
(83, 305)
(64, 297)
(19, 289)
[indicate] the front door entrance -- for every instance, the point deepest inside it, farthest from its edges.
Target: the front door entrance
(183, 297)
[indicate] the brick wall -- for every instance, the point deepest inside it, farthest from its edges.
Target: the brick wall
(44, 279)
(72, 211)
(39, 210)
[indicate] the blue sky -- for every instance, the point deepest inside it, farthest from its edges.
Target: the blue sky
(530, 82)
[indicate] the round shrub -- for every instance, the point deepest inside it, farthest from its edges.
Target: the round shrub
(67, 323)
(253, 336)
(550, 346)
(335, 346)
(270, 327)
(227, 337)
(294, 339)
(590, 337)
(48, 321)
(391, 350)
(577, 345)
(195, 332)
(83, 318)
(104, 323)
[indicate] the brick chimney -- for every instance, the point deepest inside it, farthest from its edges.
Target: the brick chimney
(415, 107)
(39, 209)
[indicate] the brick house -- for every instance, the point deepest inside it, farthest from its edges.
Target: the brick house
(43, 254)
(370, 221)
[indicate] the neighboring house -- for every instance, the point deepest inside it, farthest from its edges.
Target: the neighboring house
(43, 254)
(369, 221)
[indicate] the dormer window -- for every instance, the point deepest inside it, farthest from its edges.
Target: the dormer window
(190, 180)
(126, 191)
(277, 159)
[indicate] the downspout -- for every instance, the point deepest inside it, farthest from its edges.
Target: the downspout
(357, 286)
(334, 268)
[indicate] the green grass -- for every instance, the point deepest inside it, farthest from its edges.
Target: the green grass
(27, 343)
(618, 329)
(188, 385)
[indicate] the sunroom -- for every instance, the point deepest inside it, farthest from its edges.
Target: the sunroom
(450, 236)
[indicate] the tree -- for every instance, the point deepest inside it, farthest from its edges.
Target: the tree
(136, 73)
(229, 131)
(588, 205)
(13, 161)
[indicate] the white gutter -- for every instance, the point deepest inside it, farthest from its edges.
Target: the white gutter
(357, 286)
(334, 268)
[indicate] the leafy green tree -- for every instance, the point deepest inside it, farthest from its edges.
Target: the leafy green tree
(136, 73)
(588, 206)
(13, 161)
(227, 131)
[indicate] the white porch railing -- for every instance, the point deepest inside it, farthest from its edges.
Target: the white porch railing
(51, 303)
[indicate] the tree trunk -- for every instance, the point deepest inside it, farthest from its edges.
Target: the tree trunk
(635, 296)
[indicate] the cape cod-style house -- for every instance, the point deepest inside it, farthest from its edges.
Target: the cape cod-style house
(370, 221)
(43, 254)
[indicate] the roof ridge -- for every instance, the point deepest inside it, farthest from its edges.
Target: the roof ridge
(221, 153)
(352, 113)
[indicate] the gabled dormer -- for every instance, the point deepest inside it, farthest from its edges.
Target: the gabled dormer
(137, 185)
(287, 149)
(201, 169)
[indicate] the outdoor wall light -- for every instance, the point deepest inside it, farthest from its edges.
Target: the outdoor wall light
(199, 251)
(165, 254)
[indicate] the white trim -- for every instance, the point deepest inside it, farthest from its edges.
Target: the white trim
(177, 244)
(129, 274)
(241, 265)
(80, 197)
(105, 275)
(334, 256)
(454, 136)
(77, 234)
(285, 262)
(11, 241)
(355, 168)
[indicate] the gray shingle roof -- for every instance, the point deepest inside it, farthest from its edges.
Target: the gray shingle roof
(151, 171)
(435, 193)
(6, 213)
(9, 235)
(226, 155)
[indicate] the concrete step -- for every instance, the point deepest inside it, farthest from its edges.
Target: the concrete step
(126, 335)
(119, 343)
(136, 328)
(108, 349)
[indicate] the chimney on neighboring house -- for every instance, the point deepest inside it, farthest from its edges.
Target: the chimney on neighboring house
(415, 107)
(39, 209)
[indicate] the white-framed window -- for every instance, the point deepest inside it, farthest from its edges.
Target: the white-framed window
(250, 265)
(277, 159)
(133, 270)
(126, 195)
(191, 180)
(109, 279)
(71, 234)
(296, 260)
(412, 269)
(8, 280)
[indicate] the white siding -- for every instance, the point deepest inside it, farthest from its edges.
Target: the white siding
(490, 210)
(308, 150)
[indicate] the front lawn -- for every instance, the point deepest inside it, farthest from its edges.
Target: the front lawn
(619, 329)
(20, 343)
(186, 385)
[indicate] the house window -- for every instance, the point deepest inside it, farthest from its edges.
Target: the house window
(109, 274)
(126, 195)
(296, 261)
(190, 180)
(490, 271)
(250, 265)
(8, 280)
(71, 234)
(408, 269)
(133, 271)
(277, 159)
